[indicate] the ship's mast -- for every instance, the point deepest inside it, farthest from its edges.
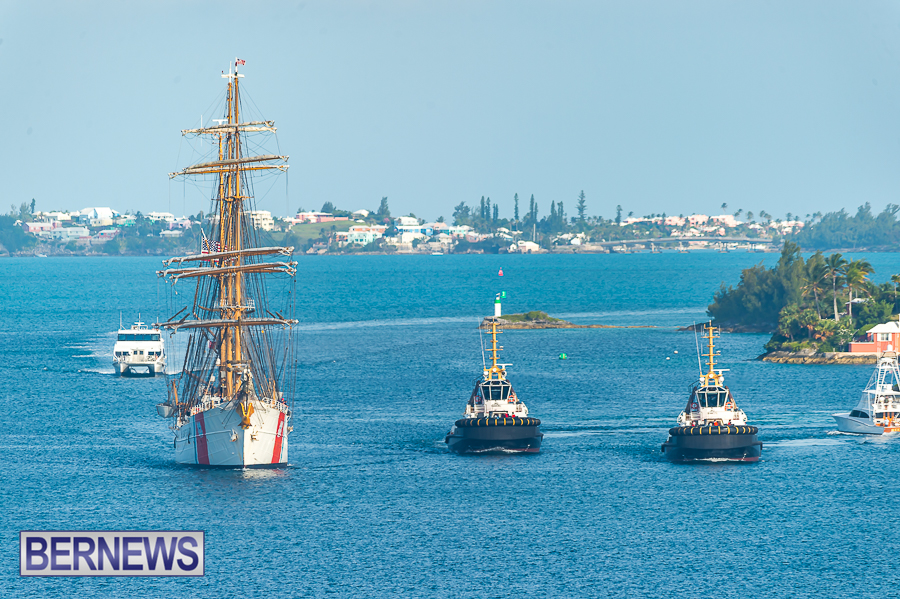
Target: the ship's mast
(230, 238)
(233, 264)
(496, 371)
(711, 376)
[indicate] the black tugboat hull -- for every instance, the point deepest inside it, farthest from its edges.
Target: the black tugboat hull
(720, 445)
(737, 448)
(525, 439)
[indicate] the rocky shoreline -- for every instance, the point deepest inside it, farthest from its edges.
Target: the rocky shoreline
(809, 356)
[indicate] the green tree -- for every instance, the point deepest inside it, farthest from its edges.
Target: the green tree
(856, 274)
(383, 210)
(462, 215)
(789, 321)
(581, 206)
(618, 214)
(816, 273)
(516, 207)
(874, 312)
(808, 319)
(496, 216)
(834, 268)
(328, 207)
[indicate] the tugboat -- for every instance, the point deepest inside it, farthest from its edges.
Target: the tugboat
(878, 410)
(495, 418)
(712, 427)
(139, 351)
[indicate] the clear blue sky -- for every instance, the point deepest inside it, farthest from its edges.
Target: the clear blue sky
(660, 106)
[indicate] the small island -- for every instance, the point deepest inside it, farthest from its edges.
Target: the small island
(819, 310)
(541, 320)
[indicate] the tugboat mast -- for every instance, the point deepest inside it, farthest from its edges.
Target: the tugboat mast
(711, 377)
(496, 371)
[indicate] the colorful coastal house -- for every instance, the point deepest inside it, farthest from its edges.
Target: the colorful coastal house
(878, 338)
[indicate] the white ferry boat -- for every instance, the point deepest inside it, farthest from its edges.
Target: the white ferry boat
(139, 351)
(878, 410)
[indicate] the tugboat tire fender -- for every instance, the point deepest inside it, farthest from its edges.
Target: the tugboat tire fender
(682, 431)
(467, 422)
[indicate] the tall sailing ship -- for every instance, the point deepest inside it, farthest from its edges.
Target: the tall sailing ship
(228, 405)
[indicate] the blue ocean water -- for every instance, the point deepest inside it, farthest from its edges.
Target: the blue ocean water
(373, 505)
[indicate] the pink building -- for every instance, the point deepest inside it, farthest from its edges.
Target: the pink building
(318, 217)
(37, 227)
(879, 338)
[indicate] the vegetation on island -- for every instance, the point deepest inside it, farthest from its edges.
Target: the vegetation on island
(814, 231)
(533, 316)
(494, 231)
(862, 230)
(819, 303)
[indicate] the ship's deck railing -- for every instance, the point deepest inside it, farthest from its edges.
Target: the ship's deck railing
(212, 401)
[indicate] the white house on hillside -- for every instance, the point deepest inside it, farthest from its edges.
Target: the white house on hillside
(161, 216)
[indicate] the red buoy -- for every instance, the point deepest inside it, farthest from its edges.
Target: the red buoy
(501, 272)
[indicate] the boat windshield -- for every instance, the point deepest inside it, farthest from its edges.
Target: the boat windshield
(138, 336)
(495, 390)
(712, 397)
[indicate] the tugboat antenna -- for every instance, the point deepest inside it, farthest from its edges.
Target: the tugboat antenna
(697, 343)
(481, 338)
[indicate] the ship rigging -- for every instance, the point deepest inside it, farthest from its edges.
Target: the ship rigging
(228, 404)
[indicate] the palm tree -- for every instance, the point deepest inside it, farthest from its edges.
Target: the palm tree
(834, 264)
(808, 319)
(724, 206)
(856, 273)
(750, 216)
(816, 273)
(895, 279)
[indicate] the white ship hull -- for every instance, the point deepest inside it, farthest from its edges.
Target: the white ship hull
(149, 368)
(861, 426)
(214, 437)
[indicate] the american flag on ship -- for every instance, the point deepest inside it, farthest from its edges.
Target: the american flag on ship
(210, 247)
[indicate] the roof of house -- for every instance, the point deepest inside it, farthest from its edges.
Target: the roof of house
(887, 327)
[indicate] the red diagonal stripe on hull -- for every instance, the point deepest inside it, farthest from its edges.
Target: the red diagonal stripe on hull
(200, 432)
(279, 435)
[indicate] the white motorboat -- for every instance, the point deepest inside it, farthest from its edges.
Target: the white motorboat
(139, 351)
(878, 410)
